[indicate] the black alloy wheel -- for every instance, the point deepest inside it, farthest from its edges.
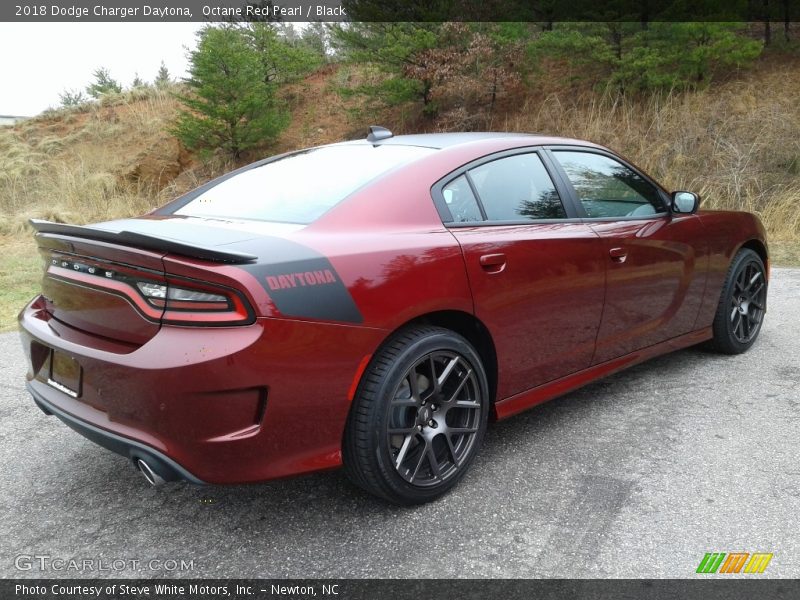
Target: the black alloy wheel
(419, 416)
(434, 418)
(742, 305)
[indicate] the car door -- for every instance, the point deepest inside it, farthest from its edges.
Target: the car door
(536, 272)
(656, 260)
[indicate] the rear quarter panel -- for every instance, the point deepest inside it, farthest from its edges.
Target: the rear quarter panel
(395, 277)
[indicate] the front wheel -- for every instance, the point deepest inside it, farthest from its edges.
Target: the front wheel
(742, 304)
(419, 416)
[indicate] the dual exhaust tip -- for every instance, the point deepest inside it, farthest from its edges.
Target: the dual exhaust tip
(148, 473)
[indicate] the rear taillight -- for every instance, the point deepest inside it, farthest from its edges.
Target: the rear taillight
(159, 298)
(191, 305)
(167, 296)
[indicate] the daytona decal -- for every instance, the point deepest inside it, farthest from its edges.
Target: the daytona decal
(301, 282)
(291, 280)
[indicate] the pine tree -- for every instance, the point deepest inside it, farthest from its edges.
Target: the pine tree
(231, 105)
(665, 55)
(103, 84)
(315, 37)
(283, 57)
(393, 48)
(163, 78)
(72, 98)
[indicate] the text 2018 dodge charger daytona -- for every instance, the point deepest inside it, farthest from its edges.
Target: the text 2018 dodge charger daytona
(374, 303)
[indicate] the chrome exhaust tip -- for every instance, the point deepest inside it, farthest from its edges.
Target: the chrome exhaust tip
(149, 474)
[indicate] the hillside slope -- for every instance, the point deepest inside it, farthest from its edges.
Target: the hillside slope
(737, 143)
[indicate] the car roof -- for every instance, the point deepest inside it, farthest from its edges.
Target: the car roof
(449, 140)
(445, 140)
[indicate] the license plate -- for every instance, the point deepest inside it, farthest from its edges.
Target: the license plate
(65, 374)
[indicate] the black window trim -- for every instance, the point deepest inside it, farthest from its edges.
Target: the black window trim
(447, 217)
(573, 195)
(473, 188)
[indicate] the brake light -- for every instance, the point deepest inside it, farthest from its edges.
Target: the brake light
(164, 296)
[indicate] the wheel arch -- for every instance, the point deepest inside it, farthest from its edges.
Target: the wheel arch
(469, 327)
(759, 248)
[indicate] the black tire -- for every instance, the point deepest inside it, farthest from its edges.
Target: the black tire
(437, 422)
(742, 304)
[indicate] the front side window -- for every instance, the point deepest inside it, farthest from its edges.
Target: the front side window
(517, 188)
(300, 187)
(607, 188)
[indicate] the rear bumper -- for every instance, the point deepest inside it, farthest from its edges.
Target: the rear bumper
(164, 466)
(218, 405)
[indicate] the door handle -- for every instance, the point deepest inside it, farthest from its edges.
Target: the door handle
(493, 263)
(618, 254)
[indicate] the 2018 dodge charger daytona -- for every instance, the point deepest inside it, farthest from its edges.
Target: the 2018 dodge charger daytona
(375, 303)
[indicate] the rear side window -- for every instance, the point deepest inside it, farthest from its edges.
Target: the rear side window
(608, 188)
(517, 188)
(301, 187)
(461, 201)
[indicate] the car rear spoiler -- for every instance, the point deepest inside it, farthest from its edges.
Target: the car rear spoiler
(141, 240)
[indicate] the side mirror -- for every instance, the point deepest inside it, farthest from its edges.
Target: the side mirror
(685, 202)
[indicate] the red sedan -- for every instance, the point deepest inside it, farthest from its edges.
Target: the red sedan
(375, 303)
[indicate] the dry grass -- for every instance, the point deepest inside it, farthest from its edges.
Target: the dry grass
(784, 254)
(736, 144)
(20, 274)
(74, 165)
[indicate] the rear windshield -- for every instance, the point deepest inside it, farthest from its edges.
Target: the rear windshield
(299, 187)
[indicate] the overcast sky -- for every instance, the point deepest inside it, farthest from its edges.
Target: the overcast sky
(40, 60)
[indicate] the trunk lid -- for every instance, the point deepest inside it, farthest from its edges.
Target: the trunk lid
(93, 274)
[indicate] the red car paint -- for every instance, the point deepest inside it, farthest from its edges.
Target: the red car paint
(562, 304)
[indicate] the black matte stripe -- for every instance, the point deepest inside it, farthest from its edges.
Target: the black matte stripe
(302, 283)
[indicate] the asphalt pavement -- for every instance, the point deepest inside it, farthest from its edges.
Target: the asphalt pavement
(638, 475)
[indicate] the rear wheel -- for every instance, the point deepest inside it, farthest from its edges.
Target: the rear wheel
(418, 418)
(742, 304)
